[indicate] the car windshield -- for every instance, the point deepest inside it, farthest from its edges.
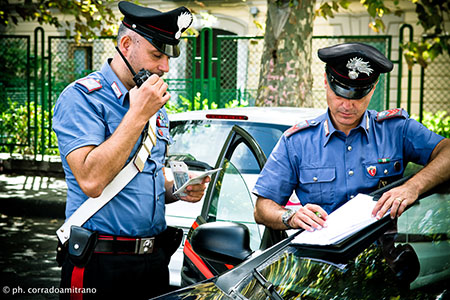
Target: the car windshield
(409, 261)
(202, 140)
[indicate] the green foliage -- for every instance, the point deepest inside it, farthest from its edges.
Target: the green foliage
(199, 104)
(92, 18)
(432, 15)
(438, 122)
(13, 59)
(327, 9)
(17, 137)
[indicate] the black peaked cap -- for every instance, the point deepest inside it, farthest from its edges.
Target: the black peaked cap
(353, 68)
(162, 29)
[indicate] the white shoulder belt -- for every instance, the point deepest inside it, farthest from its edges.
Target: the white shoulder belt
(93, 205)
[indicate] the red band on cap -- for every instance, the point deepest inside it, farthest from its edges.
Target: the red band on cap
(159, 29)
(129, 26)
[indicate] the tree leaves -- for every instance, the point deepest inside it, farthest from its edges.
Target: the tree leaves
(431, 15)
(92, 17)
(327, 9)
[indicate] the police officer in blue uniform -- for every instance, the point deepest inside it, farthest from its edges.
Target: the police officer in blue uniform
(99, 121)
(348, 150)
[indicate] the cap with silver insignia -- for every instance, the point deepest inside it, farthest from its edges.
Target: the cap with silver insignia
(353, 68)
(162, 30)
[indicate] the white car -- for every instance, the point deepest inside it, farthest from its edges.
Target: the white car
(200, 137)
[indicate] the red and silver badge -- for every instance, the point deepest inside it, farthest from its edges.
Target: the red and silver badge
(372, 170)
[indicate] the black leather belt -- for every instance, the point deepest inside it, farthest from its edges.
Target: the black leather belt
(108, 244)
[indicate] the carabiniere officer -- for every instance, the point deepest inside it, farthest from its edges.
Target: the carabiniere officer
(99, 121)
(349, 149)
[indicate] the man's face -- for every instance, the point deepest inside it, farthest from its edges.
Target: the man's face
(345, 113)
(145, 55)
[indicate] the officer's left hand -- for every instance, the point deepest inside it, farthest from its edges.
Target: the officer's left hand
(195, 192)
(396, 199)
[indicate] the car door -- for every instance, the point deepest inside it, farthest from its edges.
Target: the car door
(228, 198)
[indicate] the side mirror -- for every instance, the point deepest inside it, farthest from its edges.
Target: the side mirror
(223, 242)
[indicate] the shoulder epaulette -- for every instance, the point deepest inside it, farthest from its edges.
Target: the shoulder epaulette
(89, 85)
(391, 113)
(297, 127)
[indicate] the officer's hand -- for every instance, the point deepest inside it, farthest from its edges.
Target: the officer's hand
(396, 199)
(195, 192)
(309, 217)
(150, 97)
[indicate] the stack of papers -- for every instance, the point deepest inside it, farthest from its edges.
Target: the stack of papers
(348, 219)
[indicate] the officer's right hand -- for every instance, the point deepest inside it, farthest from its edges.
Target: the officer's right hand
(309, 217)
(149, 97)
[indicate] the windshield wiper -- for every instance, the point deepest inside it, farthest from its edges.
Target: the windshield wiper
(268, 287)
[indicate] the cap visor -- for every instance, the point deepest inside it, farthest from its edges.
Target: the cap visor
(349, 92)
(169, 50)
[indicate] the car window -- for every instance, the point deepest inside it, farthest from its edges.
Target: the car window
(426, 228)
(202, 140)
(232, 201)
(244, 160)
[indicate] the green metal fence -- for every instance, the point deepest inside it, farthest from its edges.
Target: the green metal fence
(212, 68)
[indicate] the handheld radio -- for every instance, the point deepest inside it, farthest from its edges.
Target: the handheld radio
(141, 76)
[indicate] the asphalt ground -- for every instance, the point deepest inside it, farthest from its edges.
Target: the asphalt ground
(31, 210)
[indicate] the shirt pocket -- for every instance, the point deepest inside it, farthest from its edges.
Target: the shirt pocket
(377, 170)
(318, 184)
(162, 133)
(163, 140)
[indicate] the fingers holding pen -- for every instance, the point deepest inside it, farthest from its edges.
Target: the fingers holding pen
(309, 217)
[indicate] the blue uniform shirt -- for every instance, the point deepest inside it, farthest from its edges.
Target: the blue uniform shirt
(87, 113)
(327, 168)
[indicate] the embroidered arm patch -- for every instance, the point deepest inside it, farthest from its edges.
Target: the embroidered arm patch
(391, 113)
(296, 128)
(89, 85)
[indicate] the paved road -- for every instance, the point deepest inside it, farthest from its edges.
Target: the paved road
(28, 266)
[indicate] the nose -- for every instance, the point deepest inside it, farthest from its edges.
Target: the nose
(164, 64)
(346, 103)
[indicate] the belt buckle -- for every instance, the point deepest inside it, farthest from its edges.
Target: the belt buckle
(145, 245)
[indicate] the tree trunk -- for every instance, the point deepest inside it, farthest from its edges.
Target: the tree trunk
(285, 78)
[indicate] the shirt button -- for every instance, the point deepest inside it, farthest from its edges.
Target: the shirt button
(350, 173)
(315, 178)
(386, 171)
(352, 196)
(349, 148)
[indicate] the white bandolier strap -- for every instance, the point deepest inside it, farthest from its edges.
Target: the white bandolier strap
(146, 146)
(93, 205)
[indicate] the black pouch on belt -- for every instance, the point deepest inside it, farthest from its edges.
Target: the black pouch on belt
(81, 245)
(171, 240)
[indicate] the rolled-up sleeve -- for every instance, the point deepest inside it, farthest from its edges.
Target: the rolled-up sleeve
(419, 142)
(278, 178)
(77, 122)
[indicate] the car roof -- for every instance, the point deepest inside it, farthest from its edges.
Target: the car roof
(270, 115)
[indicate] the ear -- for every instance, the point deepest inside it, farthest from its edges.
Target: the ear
(125, 43)
(325, 79)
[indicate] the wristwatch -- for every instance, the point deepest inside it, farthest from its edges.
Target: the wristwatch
(287, 215)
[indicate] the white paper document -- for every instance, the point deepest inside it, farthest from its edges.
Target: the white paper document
(342, 223)
(181, 177)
